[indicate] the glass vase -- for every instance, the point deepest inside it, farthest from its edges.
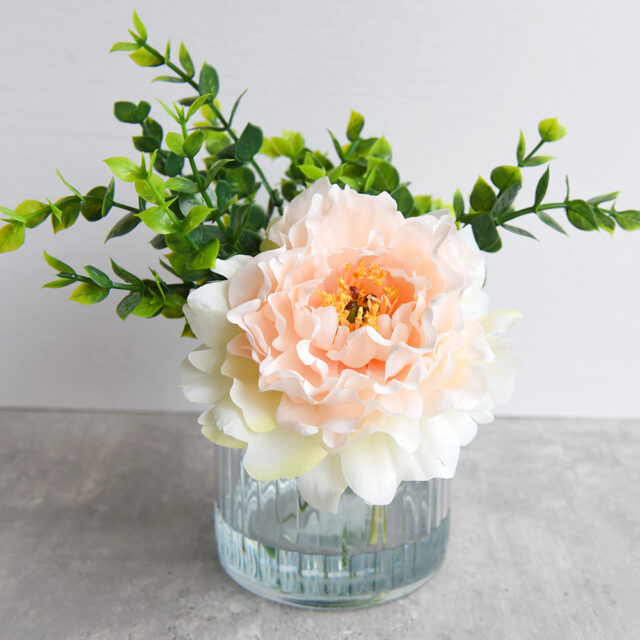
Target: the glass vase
(277, 546)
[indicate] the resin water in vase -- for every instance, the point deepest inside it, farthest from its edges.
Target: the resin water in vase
(274, 544)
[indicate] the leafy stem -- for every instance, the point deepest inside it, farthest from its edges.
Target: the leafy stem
(273, 194)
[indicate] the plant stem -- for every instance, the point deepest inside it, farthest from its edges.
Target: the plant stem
(126, 207)
(202, 189)
(531, 153)
(114, 285)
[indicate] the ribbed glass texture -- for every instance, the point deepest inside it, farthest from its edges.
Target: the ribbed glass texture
(274, 544)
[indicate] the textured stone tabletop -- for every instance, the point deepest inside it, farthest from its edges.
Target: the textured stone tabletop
(106, 532)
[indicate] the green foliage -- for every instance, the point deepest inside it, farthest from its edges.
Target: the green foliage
(199, 186)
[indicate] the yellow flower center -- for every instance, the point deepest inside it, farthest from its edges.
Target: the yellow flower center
(361, 296)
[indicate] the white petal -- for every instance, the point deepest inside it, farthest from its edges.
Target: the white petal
(228, 418)
(229, 266)
(464, 425)
(281, 454)
(500, 321)
(258, 407)
(323, 485)
(370, 467)
(202, 387)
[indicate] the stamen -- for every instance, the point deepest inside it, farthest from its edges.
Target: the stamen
(360, 301)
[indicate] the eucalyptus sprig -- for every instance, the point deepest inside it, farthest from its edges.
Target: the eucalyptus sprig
(198, 187)
(491, 209)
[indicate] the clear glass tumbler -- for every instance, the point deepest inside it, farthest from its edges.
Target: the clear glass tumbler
(277, 546)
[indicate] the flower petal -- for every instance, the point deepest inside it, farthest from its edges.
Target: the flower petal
(282, 454)
(323, 485)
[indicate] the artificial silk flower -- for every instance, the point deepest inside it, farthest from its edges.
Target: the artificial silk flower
(358, 352)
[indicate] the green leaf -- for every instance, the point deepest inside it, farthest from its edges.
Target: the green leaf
(145, 58)
(88, 293)
(336, 146)
(152, 128)
(312, 172)
(485, 233)
(13, 215)
(371, 178)
(294, 140)
(628, 220)
(139, 26)
(197, 104)
(168, 111)
(69, 209)
(123, 46)
(458, 203)
(224, 195)
(504, 176)
(107, 200)
(208, 81)
(506, 199)
(249, 242)
(403, 199)
(607, 197)
(125, 111)
(127, 305)
(216, 141)
(541, 188)
(581, 215)
(91, 209)
(57, 284)
(158, 220)
(194, 218)
(236, 104)
(423, 204)
(242, 180)
(11, 236)
(206, 257)
(193, 143)
(185, 61)
(99, 277)
(58, 265)
(355, 125)
(66, 184)
(535, 161)
(57, 214)
(126, 224)
(142, 111)
(168, 79)
(175, 141)
(145, 144)
(387, 178)
(151, 189)
(519, 231)
(125, 275)
(148, 307)
(34, 212)
(605, 222)
(124, 169)
(551, 130)
(249, 143)
(180, 184)
(550, 222)
(521, 148)
(482, 196)
(381, 149)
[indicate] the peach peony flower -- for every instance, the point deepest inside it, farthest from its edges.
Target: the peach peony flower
(356, 353)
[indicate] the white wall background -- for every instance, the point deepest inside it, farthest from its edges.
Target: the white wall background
(449, 83)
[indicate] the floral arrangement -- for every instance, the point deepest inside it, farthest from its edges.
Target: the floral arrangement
(346, 338)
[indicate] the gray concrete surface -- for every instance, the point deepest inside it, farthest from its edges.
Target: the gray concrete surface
(105, 532)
